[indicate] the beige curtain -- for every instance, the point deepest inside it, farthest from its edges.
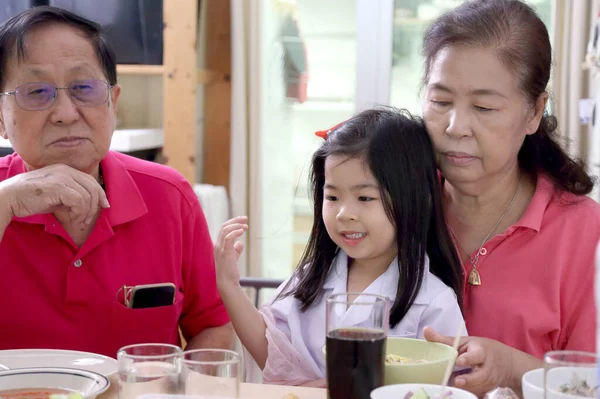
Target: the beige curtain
(243, 66)
(570, 81)
(593, 63)
(238, 187)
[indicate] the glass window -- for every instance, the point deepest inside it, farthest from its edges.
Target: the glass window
(411, 19)
(308, 61)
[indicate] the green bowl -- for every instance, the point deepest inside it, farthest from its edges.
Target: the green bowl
(431, 371)
(436, 356)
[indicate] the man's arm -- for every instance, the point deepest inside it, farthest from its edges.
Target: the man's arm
(221, 337)
(5, 214)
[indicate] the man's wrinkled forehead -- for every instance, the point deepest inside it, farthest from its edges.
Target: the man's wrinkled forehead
(24, 56)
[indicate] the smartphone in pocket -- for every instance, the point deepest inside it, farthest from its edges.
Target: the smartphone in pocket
(152, 295)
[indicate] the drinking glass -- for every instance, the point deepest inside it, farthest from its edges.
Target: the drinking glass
(149, 369)
(357, 328)
(211, 373)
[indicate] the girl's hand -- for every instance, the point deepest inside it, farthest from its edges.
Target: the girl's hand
(228, 251)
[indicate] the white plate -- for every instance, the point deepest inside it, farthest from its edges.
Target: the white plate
(398, 391)
(27, 358)
(88, 384)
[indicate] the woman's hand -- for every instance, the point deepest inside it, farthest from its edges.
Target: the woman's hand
(493, 363)
(228, 251)
(53, 188)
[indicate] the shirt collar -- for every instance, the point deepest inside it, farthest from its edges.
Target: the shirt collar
(534, 214)
(126, 201)
(338, 271)
(386, 284)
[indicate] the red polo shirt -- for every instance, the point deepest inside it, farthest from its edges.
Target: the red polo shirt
(56, 295)
(537, 291)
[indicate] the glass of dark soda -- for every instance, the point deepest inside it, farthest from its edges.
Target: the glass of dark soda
(357, 328)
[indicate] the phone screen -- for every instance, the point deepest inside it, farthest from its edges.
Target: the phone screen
(153, 297)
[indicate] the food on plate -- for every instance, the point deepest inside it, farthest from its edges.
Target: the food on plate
(39, 393)
(579, 387)
(291, 396)
(395, 359)
(501, 393)
(421, 394)
(73, 395)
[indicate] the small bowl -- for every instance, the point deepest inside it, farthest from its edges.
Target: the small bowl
(436, 356)
(400, 390)
(533, 384)
(533, 381)
(87, 383)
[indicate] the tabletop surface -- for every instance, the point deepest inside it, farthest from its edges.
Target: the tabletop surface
(250, 391)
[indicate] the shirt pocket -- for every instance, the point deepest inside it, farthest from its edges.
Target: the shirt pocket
(147, 325)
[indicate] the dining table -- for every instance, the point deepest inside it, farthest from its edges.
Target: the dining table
(248, 391)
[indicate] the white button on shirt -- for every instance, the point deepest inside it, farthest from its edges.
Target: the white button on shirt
(78, 263)
(435, 306)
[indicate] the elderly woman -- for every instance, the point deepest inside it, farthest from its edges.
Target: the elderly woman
(515, 201)
(80, 225)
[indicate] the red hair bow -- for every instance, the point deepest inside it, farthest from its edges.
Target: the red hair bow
(324, 133)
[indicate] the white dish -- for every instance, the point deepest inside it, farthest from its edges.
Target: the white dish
(533, 384)
(28, 358)
(533, 381)
(87, 383)
(180, 396)
(398, 391)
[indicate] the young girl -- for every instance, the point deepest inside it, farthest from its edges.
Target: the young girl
(378, 228)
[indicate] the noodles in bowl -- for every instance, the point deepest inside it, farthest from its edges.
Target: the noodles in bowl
(395, 359)
(411, 360)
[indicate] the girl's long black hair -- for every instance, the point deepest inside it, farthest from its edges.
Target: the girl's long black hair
(399, 153)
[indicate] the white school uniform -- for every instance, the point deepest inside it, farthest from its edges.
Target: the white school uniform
(435, 305)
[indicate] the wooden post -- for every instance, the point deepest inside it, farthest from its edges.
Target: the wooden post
(217, 120)
(179, 85)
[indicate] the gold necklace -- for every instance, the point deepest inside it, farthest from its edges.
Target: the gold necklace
(474, 277)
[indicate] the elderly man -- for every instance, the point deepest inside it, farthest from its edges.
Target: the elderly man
(80, 226)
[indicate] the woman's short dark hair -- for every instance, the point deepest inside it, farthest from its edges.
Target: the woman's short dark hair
(13, 34)
(522, 44)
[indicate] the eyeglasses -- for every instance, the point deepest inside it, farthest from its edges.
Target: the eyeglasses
(38, 96)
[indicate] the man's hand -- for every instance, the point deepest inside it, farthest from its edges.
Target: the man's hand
(55, 187)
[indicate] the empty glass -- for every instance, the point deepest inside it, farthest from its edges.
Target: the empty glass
(211, 372)
(149, 369)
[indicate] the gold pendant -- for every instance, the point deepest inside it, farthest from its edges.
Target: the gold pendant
(474, 278)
